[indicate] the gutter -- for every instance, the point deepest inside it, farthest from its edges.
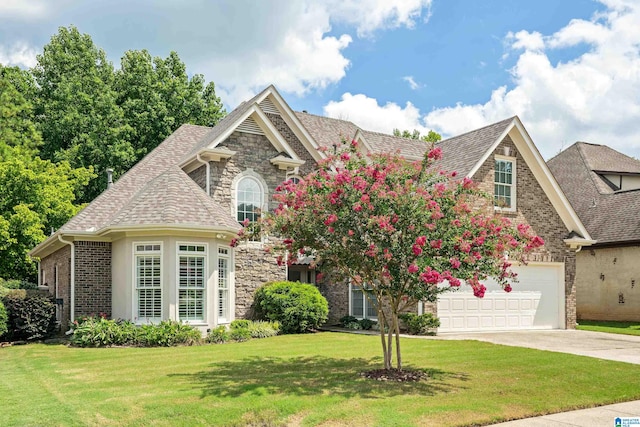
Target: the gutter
(208, 169)
(72, 274)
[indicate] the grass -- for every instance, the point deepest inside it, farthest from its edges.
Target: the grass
(299, 380)
(625, 328)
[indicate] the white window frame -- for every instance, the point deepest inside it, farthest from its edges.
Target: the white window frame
(223, 253)
(195, 253)
(136, 299)
(260, 203)
(366, 304)
(512, 186)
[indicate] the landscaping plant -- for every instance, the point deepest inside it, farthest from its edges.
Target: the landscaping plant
(298, 307)
(31, 314)
(405, 230)
(420, 324)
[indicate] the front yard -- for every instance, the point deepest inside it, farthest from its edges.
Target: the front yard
(299, 380)
(612, 327)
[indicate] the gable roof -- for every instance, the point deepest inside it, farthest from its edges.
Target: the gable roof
(610, 217)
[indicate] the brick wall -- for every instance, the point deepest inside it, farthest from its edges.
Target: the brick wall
(534, 208)
(62, 260)
(93, 278)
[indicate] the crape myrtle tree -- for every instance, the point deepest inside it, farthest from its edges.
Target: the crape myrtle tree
(401, 230)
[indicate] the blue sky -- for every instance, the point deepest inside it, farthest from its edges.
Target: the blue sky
(570, 69)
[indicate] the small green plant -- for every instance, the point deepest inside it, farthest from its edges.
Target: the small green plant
(169, 333)
(299, 307)
(31, 314)
(240, 334)
(218, 335)
(420, 324)
(344, 320)
(264, 329)
(4, 319)
(240, 323)
(366, 324)
(102, 332)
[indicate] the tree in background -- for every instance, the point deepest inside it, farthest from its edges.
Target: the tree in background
(35, 194)
(93, 115)
(430, 137)
(401, 231)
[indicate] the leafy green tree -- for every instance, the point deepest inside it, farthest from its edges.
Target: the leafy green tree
(429, 137)
(16, 111)
(402, 231)
(77, 111)
(157, 96)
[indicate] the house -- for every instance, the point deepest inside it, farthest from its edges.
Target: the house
(156, 244)
(603, 186)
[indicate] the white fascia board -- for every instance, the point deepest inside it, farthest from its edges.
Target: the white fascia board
(490, 151)
(272, 133)
(225, 232)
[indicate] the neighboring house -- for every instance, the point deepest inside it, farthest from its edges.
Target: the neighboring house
(156, 244)
(603, 185)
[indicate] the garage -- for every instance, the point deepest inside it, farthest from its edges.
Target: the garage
(536, 302)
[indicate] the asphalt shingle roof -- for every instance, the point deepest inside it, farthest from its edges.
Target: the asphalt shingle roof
(609, 216)
(132, 188)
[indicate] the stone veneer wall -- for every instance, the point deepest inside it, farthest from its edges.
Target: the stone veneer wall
(62, 259)
(293, 141)
(93, 278)
(199, 176)
(253, 268)
(535, 209)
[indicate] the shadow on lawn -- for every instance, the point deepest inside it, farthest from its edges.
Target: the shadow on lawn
(312, 376)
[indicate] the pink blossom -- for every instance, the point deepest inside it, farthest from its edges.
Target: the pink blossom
(508, 288)
(345, 157)
(331, 230)
(435, 153)
(246, 222)
(331, 219)
(413, 269)
(365, 198)
(417, 250)
(357, 207)
(350, 232)
(233, 243)
(467, 183)
(479, 290)
(455, 263)
(430, 276)
(319, 277)
(421, 240)
(436, 244)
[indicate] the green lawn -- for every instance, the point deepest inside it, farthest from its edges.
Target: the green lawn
(299, 380)
(626, 328)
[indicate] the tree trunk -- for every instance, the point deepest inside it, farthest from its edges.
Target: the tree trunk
(381, 322)
(396, 327)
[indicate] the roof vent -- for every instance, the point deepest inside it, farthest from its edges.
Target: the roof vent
(109, 178)
(305, 111)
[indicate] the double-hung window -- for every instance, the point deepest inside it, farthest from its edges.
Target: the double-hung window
(250, 198)
(148, 282)
(362, 305)
(504, 196)
(223, 284)
(191, 282)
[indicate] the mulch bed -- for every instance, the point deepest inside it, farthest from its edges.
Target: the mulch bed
(394, 375)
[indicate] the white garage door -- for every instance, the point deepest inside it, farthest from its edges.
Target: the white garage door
(536, 302)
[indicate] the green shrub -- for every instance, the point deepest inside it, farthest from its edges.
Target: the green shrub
(101, 332)
(240, 323)
(264, 329)
(218, 335)
(4, 320)
(17, 284)
(345, 320)
(240, 334)
(31, 314)
(366, 324)
(299, 307)
(423, 324)
(168, 333)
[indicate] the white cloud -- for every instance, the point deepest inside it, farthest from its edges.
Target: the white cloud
(412, 83)
(366, 113)
(592, 97)
(19, 54)
(297, 54)
(23, 8)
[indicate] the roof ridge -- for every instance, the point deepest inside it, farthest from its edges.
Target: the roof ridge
(477, 129)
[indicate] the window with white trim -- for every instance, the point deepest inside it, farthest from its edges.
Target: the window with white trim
(191, 282)
(504, 196)
(249, 199)
(223, 284)
(148, 282)
(361, 305)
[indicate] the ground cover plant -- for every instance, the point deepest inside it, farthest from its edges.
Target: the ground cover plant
(311, 379)
(612, 327)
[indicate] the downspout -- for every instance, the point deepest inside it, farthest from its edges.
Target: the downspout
(72, 274)
(208, 172)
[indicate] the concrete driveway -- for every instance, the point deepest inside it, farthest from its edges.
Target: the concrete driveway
(622, 348)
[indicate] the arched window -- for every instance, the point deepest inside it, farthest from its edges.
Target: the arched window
(249, 200)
